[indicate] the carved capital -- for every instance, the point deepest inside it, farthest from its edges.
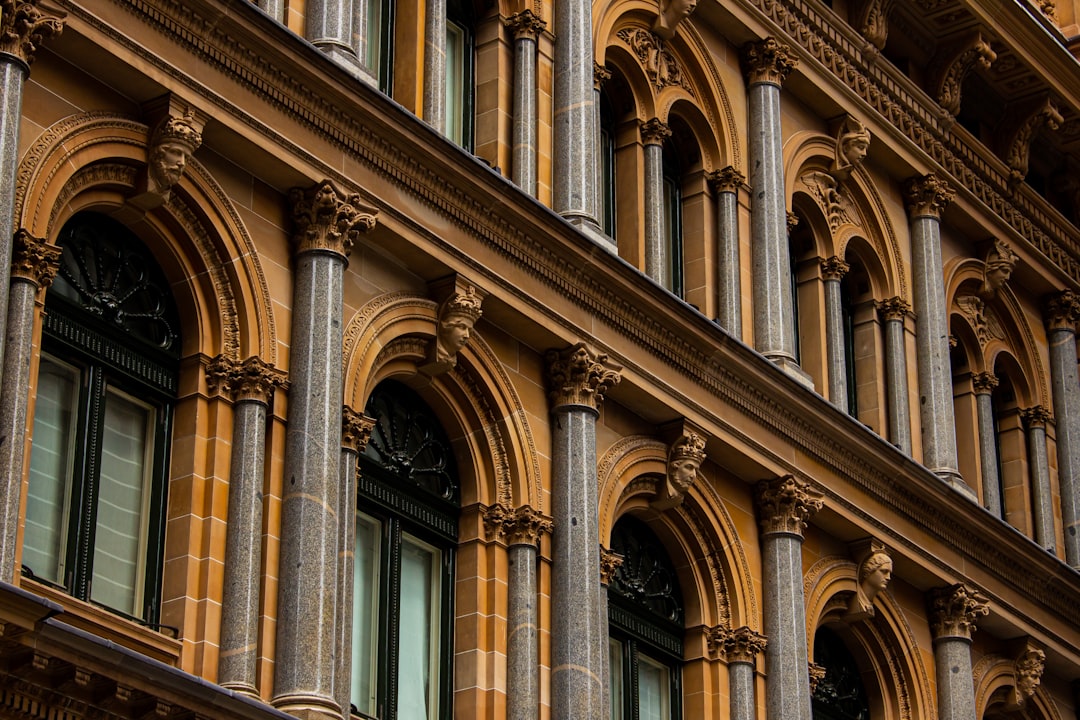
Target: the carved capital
(792, 222)
(953, 66)
(894, 308)
(834, 268)
(1036, 416)
(726, 179)
(954, 611)
(1062, 310)
(983, 383)
(1022, 130)
(520, 526)
(328, 220)
(600, 75)
(654, 132)
(871, 19)
(252, 379)
(767, 61)
(785, 505)
(927, 195)
(610, 562)
(33, 259)
(525, 25)
(355, 429)
(24, 26)
(740, 645)
(1028, 671)
(817, 674)
(578, 376)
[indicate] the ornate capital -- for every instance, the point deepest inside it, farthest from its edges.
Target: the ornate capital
(767, 61)
(610, 562)
(578, 376)
(817, 674)
(521, 526)
(792, 222)
(726, 179)
(927, 195)
(1028, 671)
(1036, 416)
(24, 26)
(983, 383)
(740, 645)
(251, 379)
(34, 259)
(955, 64)
(785, 504)
(525, 25)
(871, 18)
(355, 429)
(654, 132)
(834, 268)
(894, 308)
(954, 610)
(328, 220)
(600, 75)
(1062, 310)
(1043, 113)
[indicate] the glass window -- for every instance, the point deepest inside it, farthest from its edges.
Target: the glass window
(847, 312)
(607, 165)
(378, 40)
(840, 694)
(673, 279)
(459, 74)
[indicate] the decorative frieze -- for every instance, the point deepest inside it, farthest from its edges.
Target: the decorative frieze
(578, 376)
(525, 25)
(767, 61)
(516, 526)
(785, 504)
(34, 259)
(24, 26)
(927, 195)
(251, 379)
(954, 611)
(328, 220)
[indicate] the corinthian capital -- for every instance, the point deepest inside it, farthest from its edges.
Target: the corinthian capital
(834, 268)
(525, 24)
(983, 383)
(1036, 416)
(927, 195)
(355, 429)
(726, 179)
(578, 376)
(785, 505)
(894, 308)
(24, 26)
(1062, 310)
(654, 132)
(740, 645)
(519, 526)
(326, 219)
(610, 562)
(954, 610)
(767, 61)
(251, 379)
(34, 259)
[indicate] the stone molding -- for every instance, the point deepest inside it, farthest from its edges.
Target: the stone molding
(610, 562)
(579, 376)
(355, 429)
(894, 308)
(954, 65)
(983, 383)
(767, 61)
(654, 132)
(954, 611)
(1061, 311)
(927, 196)
(785, 504)
(328, 220)
(739, 645)
(24, 26)
(660, 64)
(726, 179)
(1017, 145)
(834, 268)
(33, 259)
(516, 526)
(525, 25)
(252, 380)
(1036, 416)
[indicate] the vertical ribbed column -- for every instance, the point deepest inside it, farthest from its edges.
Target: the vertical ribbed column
(526, 28)
(328, 223)
(927, 197)
(832, 272)
(893, 312)
(983, 385)
(766, 64)
(33, 266)
(250, 385)
(23, 28)
(355, 433)
(329, 28)
(1035, 420)
(784, 506)
(1061, 312)
(739, 648)
(435, 64)
(657, 260)
(577, 381)
(726, 183)
(953, 612)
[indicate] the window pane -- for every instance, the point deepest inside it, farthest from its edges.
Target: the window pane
(418, 669)
(365, 629)
(455, 82)
(122, 508)
(654, 687)
(616, 670)
(373, 54)
(673, 274)
(51, 457)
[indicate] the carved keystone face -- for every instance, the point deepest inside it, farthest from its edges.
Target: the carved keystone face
(169, 162)
(683, 472)
(878, 578)
(855, 149)
(454, 333)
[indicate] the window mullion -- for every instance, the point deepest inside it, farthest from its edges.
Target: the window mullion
(388, 680)
(85, 485)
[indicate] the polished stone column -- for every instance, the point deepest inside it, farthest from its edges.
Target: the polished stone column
(1061, 311)
(983, 385)
(33, 266)
(832, 272)
(24, 26)
(766, 64)
(250, 385)
(893, 312)
(739, 648)
(610, 562)
(1035, 420)
(328, 223)
(273, 8)
(578, 378)
(657, 260)
(435, 64)
(726, 183)
(526, 28)
(600, 76)
(355, 433)
(329, 28)
(784, 506)
(953, 612)
(927, 197)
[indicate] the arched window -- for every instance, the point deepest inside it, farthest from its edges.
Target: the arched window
(406, 531)
(840, 694)
(645, 612)
(107, 381)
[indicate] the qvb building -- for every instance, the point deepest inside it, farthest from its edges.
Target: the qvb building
(551, 360)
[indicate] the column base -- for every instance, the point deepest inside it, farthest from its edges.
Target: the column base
(792, 369)
(308, 707)
(953, 479)
(592, 230)
(347, 59)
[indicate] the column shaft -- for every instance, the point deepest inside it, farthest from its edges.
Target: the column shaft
(729, 277)
(741, 691)
(1066, 393)
(522, 643)
(524, 160)
(834, 344)
(435, 64)
(787, 690)
(13, 74)
(896, 384)
(988, 456)
(273, 8)
(1041, 497)
(329, 28)
(346, 555)
(956, 686)
(656, 249)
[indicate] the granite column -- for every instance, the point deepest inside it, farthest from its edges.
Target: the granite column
(894, 312)
(33, 266)
(832, 272)
(953, 612)
(330, 28)
(526, 28)
(250, 385)
(328, 223)
(435, 64)
(726, 183)
(657, 253)
(578, 378)
(784, 506)
(1042, 500)
(983, 385)
(273, 8)
(1061, 311)
(740, 648)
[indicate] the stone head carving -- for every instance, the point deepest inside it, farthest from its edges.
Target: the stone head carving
(852, 144)
(672, 12)
(173, 142)
(1028, 669)
(1000, 261)
(874, 575)
(684, 461)
(457, 316)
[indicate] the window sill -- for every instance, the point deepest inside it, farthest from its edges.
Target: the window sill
(105, 624)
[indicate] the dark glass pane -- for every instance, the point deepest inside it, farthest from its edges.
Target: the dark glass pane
(840, 694)
(646, 576)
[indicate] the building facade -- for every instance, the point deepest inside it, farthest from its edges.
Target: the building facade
(450, 359)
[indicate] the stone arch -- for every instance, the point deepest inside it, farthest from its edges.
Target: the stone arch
(681, 105)
(883, 645)
(92, 161)
(994, 676)
(390, 336)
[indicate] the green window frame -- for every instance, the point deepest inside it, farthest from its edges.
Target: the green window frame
(460, 73)
(674, 277)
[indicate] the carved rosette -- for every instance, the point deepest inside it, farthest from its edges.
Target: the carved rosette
(33, 259)
(817, 674)
(834, 268)
(355, 429)
(767, 61)
(1028, 671)
(740, 645)
(726, 179)
(328, 220)
(954, 611)
(1036, 416)
(525, 25)
(961, 58)
(578, 376)
(252, 379)
(1062, 310)
(654, 132)
(872, 20)
(24, 26)
(927, 196)
(894, 308)
(610, 562)
(520, 526)
(785, 505)
(983, 383)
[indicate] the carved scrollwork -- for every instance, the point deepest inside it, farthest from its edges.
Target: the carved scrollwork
(34, 259)
(327, 219)
(954, 66)
(785, 504)
(662, 67)
(954, 610)
(24, 26)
